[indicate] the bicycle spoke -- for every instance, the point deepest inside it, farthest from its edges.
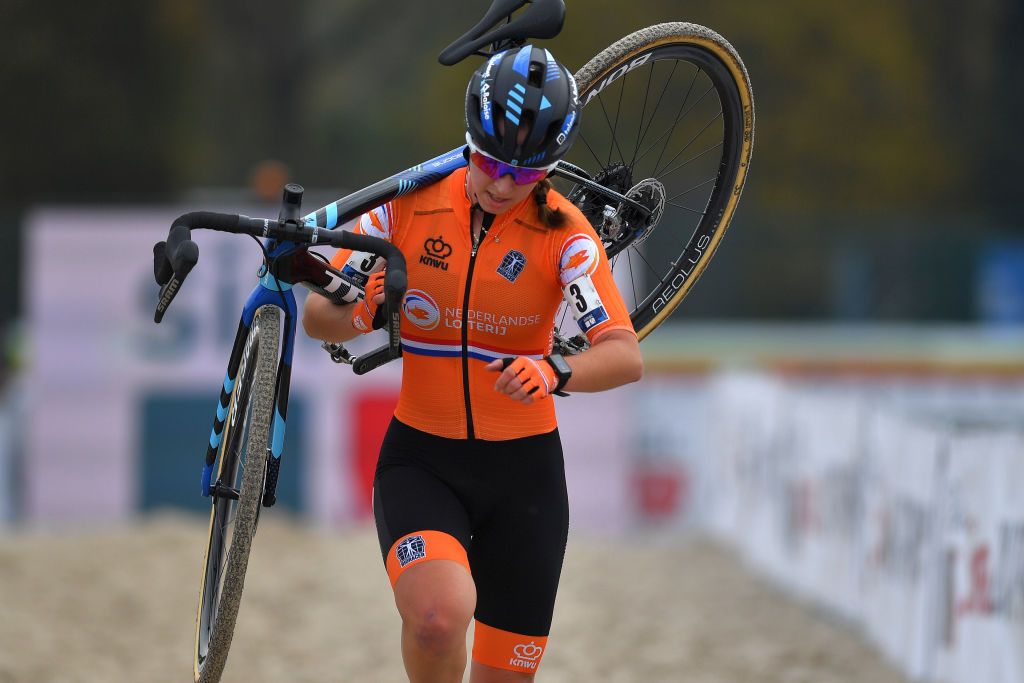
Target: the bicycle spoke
(693, 158)
(643, 114)
(654, 112)
(699, 133)
(607, 120)
(614, 144)
(649, 266)
(618, 112)
(629, 262)
(679, 115)
(685, 192)
(590, 148)
(675, 123)
(686, 208)
(669, 139)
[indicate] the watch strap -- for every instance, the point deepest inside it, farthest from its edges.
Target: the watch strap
(562, 377)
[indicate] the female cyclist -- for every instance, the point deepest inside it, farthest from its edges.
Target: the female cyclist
(469, 495)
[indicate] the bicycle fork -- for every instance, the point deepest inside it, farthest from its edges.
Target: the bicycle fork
(268, 292)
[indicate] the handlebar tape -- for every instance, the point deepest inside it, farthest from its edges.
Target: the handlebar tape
(170, 259)
(351, 240)
(396, 278)
(209, 220)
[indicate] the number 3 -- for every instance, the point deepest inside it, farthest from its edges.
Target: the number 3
(581, 303)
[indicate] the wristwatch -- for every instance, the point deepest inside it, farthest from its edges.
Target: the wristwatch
(562, 371)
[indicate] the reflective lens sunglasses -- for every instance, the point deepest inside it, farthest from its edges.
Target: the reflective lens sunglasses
(521, 175)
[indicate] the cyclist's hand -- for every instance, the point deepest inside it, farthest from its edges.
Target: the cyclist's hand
(364, 311)
(525, 379)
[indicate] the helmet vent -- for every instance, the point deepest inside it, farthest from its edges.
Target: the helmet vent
(499, 123)
(535, 77)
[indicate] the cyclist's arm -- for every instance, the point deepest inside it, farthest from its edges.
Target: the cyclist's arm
(613, 358)
(612, 361)
(328, 321)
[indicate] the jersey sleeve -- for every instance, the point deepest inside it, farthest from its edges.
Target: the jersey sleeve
(359, 265)
(588, 286)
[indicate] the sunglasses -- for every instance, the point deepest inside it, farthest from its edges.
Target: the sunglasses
(521, 175)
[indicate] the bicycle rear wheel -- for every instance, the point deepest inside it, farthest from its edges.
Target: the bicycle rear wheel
(668, 121)
(238, 490)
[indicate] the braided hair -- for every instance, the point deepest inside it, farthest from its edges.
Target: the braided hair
(549, 218)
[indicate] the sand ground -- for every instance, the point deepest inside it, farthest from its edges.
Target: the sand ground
(119, 605)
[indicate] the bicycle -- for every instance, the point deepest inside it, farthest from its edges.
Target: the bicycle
(627, 206)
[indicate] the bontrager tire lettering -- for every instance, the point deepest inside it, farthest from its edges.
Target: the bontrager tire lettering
(259, 397)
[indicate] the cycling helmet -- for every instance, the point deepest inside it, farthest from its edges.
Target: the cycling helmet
(526, 88)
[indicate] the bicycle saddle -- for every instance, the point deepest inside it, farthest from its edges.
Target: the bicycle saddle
(543, 19)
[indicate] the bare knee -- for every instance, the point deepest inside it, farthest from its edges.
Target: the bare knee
(438, 627)
(436, 602)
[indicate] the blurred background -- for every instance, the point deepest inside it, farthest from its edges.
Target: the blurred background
(839, 401)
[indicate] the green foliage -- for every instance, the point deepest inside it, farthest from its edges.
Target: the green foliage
(873, 107)
(126, 98)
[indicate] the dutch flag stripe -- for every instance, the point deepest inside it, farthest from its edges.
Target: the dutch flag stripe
(453, 349)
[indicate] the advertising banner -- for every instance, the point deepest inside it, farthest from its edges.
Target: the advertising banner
(823, 503)
(669, 453)
(750, 467)
(903, 475)
(981, 622)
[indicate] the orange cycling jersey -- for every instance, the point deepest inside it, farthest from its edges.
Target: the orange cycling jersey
(466, 307)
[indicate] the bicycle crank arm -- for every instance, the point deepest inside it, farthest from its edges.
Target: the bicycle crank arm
(374, 359)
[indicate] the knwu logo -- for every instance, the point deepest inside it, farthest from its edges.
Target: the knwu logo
(512, 265)
(526, 655)
(411, 549)
(436, 250)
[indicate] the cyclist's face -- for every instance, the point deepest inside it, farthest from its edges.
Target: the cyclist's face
(497, 196)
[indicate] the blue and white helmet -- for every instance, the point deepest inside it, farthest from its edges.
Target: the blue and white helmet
(523, 88)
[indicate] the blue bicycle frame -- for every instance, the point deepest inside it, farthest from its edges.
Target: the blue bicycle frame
(274, 289)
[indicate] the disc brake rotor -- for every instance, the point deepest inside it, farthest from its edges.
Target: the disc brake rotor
(651, 194)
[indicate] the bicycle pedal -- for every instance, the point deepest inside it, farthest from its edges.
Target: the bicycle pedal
(338, 352)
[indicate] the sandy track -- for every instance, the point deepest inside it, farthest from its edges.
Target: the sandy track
(119, 606)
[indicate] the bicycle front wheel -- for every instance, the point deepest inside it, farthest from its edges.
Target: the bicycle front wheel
(237, 493)
(668, 120)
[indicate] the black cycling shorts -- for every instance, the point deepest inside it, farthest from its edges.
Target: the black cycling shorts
(498, 507)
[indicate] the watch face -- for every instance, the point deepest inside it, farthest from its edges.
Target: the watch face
(559, 364)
